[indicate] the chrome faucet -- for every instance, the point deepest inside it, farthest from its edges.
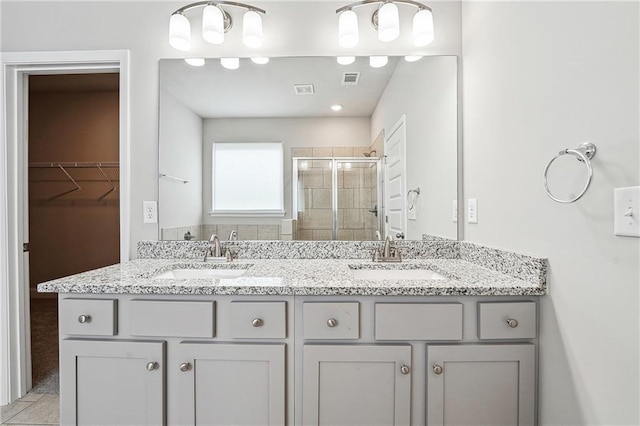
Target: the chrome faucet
(215, 250)
(389, 252)
(233, 235)
(378, 236)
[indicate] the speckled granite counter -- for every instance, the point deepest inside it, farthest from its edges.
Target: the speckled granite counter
(298, 277)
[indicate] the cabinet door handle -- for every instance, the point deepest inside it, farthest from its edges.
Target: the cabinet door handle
(152, 366)
(82, 319)
(437, 369)
(332, 322)
(513, 323)
(185, 366)
(257, 322)
(405, 369)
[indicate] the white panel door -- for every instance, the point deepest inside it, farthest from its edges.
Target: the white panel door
(395, 180)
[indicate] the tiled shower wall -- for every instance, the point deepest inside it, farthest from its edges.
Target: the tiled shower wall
(357, 194)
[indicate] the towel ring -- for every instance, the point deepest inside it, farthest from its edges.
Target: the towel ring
(583, 153)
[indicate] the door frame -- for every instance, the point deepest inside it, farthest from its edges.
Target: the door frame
(15, 356)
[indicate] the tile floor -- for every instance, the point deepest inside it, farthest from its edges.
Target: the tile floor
(31, 410)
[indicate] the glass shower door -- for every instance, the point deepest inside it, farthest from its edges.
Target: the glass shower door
(358, 210)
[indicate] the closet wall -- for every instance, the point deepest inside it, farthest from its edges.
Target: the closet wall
(73, 119)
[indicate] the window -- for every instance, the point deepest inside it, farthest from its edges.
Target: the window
(248, 179)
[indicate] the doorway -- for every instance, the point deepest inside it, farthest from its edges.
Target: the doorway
(73, 192)
(16, 67)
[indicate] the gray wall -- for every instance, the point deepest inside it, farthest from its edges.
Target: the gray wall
(181, 156)
(293, 132)
(432, 131)
(540, 77)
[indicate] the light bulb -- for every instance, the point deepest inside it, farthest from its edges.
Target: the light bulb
(378, 61)
(179, 32)
(348, 29)
(230, 63)
(346, 60)
(252, 29)
(213, 25)
(261, 60)
(195, 62)
(412, 58)
(423, 32)
(388, 22)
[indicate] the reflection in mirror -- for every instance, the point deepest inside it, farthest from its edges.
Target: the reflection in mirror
(368, 152)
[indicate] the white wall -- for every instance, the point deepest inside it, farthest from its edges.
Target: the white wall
(293, 132)
(540, 77)
(181, 156)
(306, 27)
(432, 132)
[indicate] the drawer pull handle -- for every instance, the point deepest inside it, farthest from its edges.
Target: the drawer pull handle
(437, 369)
(257, 322)
(332, 322)
(152, 366)
(405, 369)
(513, 323)
(185, 366)
(82, 319)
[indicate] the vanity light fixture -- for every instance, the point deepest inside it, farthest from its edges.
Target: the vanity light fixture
(230, 63)
(386, 21)
(378, 61)
(195, 62)
(346, 60)
(215, 23)
(260, 60)
(412, 58)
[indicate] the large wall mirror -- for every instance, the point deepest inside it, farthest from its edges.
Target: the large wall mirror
(355, 152)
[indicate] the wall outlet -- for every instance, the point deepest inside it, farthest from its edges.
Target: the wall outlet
(150, 212)
(626, 211)
(454, 211)
(472, 210)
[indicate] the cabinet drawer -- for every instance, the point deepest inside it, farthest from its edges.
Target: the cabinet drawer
(418, 321)
(172, 318)
(502, 320)
(96, 317)
(331, 320)
(262, 320)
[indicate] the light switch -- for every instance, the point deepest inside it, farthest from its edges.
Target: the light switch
(472, 210)
(454, 211)
(626, 211)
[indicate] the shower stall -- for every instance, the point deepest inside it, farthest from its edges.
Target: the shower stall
(337, 198)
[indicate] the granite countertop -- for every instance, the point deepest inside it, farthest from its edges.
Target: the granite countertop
(296, 277)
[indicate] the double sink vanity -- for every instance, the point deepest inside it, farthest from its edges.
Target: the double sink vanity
(303, 333)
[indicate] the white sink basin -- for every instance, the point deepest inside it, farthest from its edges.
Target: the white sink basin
(201, 273)
(396, 274)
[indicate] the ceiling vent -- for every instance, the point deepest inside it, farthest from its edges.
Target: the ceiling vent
(350, 78)
(304, 89)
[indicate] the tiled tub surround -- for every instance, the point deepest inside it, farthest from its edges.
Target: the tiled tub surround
(315, 268)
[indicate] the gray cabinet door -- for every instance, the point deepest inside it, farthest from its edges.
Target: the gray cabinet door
(481, 385)
(111, 382)
(227, 384)
(356, 385)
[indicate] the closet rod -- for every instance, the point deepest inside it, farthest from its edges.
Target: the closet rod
(76, 164)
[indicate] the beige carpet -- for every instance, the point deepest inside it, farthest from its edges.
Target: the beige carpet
(44, 345)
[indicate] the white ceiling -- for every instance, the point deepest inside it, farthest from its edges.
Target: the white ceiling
(212, 91)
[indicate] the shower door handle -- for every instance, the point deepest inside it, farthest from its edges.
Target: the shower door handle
(374, 210)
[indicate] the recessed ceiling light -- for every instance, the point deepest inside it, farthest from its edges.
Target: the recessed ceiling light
(262, 60)
(346, 60)
(378, 61)
(230, 63)
(336, 107)
(195, 62)
(412, 58)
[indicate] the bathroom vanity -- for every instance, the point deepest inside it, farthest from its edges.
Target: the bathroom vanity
(298, 341)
